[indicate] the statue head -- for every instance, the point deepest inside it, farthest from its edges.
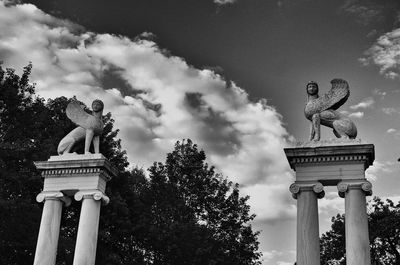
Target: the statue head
(97, 105)
(312, 88)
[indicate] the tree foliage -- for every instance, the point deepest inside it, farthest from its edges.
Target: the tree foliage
(199, 213)
(384, 236)
(181, 213)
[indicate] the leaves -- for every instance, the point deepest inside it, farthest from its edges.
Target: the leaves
(384, 228)
(182, 213)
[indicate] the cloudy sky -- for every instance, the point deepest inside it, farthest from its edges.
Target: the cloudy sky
(228, 74)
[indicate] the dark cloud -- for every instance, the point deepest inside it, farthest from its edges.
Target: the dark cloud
(111, 78)
(221, 136)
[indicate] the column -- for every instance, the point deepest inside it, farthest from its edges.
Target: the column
(46, 248)
(356, 221)
(86, 242)
(308, 248)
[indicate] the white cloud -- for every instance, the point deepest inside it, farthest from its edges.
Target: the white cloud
(385, 53)
(379, 93)
(162, 100)
(268, 255)
(366, 103)
(357, 115)
(275, 257)
(284, 263)
(390, 111)
(378, 169)
(391, 130)
(331, 203)
(224, 2)
(283, 206)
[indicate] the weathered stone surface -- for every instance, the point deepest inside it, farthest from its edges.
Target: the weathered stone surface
(89, 127)
(84, 177)
(341, 163)
(86, 240)
(71, 172)
(323, 110)
(330, 164)
(46, 249)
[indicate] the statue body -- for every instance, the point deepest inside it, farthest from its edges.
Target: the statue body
(89, 127)
(323, 110)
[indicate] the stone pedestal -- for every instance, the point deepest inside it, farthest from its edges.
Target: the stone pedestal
(343, 164)
(81, 176)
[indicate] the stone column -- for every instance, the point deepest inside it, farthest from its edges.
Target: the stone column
(46, 248)
(308, 247)
(356, 221)
(86, 241)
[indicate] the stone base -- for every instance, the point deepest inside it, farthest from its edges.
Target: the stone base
(342, 163)
(70, 173)
(330, 164)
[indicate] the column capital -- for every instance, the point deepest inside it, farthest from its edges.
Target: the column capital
(297, 187)
(53, 195)
(347, 185)
(92, 194)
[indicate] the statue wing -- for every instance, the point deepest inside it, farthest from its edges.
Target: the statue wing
(336, 96)
(77, 115)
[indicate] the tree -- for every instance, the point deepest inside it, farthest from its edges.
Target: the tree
(195, 216)
(30, 130)
(182, 213)
(19, 181)
(384, 228)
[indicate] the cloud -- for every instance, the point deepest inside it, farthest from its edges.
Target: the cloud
(284, 263)
(385, 53)
(379, 92)
(283, 208)
(156, 99)
(224, 2)
(357, 115)
(331, 204)
(275, 257)
(366, 103)
(364, 12)
(390, 111)
(378, 169)
(268, 255)
(394, 132)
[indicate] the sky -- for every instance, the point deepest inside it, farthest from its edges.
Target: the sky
(230, 75)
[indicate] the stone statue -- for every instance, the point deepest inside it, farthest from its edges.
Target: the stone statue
(323, 110)
(89, 127)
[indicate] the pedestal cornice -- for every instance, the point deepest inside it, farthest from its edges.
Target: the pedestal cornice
(76, 164)
(71, 173)
(331, 154)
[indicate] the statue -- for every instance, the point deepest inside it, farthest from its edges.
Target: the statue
(323, 110)
(89, 127)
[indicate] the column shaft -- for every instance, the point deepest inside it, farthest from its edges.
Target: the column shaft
(356, 223)
(86, 242)
(308, 247)
(46, 249)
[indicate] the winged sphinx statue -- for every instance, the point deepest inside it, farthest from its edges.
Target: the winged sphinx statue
(89, 127)
(323, 110)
